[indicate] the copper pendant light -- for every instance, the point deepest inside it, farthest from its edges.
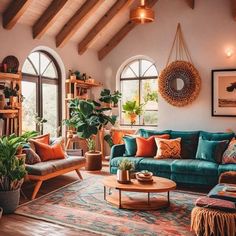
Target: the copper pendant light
(142, 14)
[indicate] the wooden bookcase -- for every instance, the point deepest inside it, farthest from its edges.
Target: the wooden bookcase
(76, 89)
(11, 115)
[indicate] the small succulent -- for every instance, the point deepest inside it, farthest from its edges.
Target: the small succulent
(125, 164)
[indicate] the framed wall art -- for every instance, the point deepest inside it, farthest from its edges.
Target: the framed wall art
(224, 92)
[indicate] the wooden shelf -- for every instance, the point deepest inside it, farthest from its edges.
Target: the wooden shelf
(10, 76)
(9, 111)
(83, 84)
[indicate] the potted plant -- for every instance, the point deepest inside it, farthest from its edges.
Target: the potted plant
(39, 123)
(109, 99)
(123, 173)
(12, 173)
(25, 138)
(132, 110)
(88, 118)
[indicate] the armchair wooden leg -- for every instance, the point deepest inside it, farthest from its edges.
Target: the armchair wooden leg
(36, 189)
(79, 174)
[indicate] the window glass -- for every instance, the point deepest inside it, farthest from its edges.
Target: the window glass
(50, 108)
(41, 94)
(138, 83)
(28, 68)
(28, 105)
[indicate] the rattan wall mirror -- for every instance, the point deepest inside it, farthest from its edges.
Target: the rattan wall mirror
(179, 83)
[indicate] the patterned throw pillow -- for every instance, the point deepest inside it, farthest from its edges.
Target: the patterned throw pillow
(31, 156)
(168, 148)
(229, 156)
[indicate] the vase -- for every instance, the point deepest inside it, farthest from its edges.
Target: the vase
(123, 176)
(9, 200)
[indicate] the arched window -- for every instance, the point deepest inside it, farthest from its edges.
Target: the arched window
(41, 89)
(138, 82)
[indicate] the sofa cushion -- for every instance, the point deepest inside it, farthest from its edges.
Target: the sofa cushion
(114, 162)
(194, 167)
(44, 168)
(209, 150)
(189, 142)
(229, 156)
(147, 133)
(156, 165)
(226, 167)
(130, 145)
(146, 147)
(218, 136)
(168, 148)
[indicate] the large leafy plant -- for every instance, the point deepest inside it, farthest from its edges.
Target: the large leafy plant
(88, 117)
(108, 97)
(12, 169)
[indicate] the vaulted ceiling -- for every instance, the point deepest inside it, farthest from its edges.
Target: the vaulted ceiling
(97, 24)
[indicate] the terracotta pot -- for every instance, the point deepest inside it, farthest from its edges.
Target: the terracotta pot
(2, 105)
(133, 118)
(93, 160)
(123, 176)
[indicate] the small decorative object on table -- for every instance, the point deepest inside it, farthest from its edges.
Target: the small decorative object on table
(144, 176)
(123, 172)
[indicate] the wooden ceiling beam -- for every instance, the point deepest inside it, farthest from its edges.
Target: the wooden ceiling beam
(191, 3)
(233, 6)
(117, 7)
(13, 13)
(48, 18)
(76, 21)
(120, 35)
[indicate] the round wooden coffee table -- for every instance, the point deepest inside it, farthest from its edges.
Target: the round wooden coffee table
(159, 185)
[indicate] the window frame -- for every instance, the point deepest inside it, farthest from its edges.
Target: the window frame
(39, 80)
(140, 79)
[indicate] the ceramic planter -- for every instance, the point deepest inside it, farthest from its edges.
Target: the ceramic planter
(93, 160)
(14, 101)
(9, 200)
(123, 176)
(133, 118)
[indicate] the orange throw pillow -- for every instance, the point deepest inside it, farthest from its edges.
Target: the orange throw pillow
(146, 147)
(42, 138)
(47, 152)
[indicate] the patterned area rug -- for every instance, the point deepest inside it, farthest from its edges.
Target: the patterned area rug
(81, 205)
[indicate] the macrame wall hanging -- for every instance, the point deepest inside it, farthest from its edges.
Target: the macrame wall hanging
(179, 83)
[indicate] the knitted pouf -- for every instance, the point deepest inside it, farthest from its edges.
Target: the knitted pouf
(209, 222)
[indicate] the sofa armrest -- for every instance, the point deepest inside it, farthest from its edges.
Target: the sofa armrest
(117, 151)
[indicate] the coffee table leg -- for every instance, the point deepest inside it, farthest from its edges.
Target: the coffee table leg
(148, 198)
(119, 198)
(168, 197)
(105, 192)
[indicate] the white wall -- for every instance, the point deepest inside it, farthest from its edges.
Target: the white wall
(208, 29)
(19, 42)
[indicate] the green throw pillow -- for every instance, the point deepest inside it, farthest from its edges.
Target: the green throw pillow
(130, 145)
(211, 150)
(145, 133)
(218, 136)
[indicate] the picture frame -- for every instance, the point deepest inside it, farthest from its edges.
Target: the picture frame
(223, 92)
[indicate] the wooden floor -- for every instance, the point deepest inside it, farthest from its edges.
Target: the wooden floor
(16, 225)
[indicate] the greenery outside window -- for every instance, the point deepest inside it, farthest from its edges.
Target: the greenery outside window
(41, 87)
(138, 82)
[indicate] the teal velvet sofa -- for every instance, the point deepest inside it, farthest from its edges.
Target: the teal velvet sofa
(188, 169)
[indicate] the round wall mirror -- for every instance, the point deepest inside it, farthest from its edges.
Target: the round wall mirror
(179, 83)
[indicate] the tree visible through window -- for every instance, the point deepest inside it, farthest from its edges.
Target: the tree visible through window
(40, 87)
(138, 82)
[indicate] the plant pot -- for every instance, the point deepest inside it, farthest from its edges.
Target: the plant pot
(93, 161)
(106, 105)
(9, 200)
(14, 101)
(133, 118)
(123, 176)
(2, 105)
